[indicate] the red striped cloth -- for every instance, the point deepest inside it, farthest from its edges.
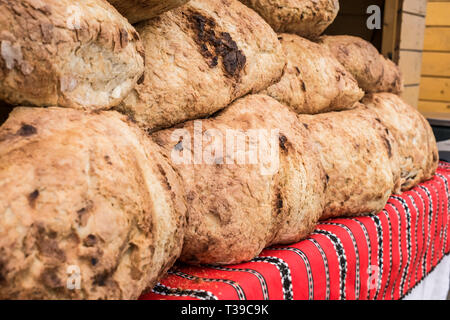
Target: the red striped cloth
(381, 256)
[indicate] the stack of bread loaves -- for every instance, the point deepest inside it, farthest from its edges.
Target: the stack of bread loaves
(198, 134)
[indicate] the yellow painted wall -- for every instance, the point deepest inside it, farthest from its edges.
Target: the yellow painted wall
(435, 77)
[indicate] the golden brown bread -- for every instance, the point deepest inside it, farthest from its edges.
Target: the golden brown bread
(71, 53)
(314, 81)
(417, 148)
(199, 58)
(306, 18)
(237, 209)
(373, 72)
(355, 151)
(140, 10)
(85, 192)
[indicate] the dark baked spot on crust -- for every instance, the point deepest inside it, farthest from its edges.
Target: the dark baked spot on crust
(278, 201)
(179, 145)
(216, 46)
(388, 147)
(26, 130)
(141, 79)
(108, 160)
(123, 37)
(50, 279)
(283, 142)
(32, 198)
(83, 213)
(164, 174)
(90, 241)
(49, 248)
(100, 279)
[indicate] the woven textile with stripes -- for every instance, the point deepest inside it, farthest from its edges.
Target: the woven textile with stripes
(381, 256)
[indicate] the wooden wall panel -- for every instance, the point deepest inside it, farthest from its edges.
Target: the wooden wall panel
(435, 83)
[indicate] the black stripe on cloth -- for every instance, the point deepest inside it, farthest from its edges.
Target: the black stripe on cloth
(423, 250)
(430, 223)
(443, 218)
(408, 243)
(198, 294)
(262, 281)
(369, 249)
(302, 255)
(285, 272)
(414, 264)
(438, 210)
(379, 228)
(325, 264)
(388, 218)
(340, 251)
(400, 251)
(236, 286)
(448, 210)
(357, 267)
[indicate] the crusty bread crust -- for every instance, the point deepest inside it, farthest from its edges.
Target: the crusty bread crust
(306, 18)
(417, 148)
(84, 191)
(355, 151)
(141, 10)
(71, 53)
(199, 58)
(234, 211)
(314, 81)
(373, 72)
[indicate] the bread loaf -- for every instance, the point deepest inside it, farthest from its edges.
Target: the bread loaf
(417, 148)
(84, 197)
(306, 18)
(235, 207)
(140, 10)
(199, 58)
(355, 151)
(373, 72)
(314, 81)
(77, 53)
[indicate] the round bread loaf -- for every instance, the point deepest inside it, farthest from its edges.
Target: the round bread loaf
(140, 10)
(200, 58)
(355, 151)
(71, 53)
(89, 208)
(373, 72)
(417, 148)
(306, 18)
(238, 206)
(314, 81)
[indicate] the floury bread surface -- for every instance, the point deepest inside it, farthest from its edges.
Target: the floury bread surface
(140, 10)
(373, 72)
(84, 194)
(78, 53)
(417, 149)
(235, 210)
(314, 81)
(306, 18)
(355, 151)
(199, 58)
